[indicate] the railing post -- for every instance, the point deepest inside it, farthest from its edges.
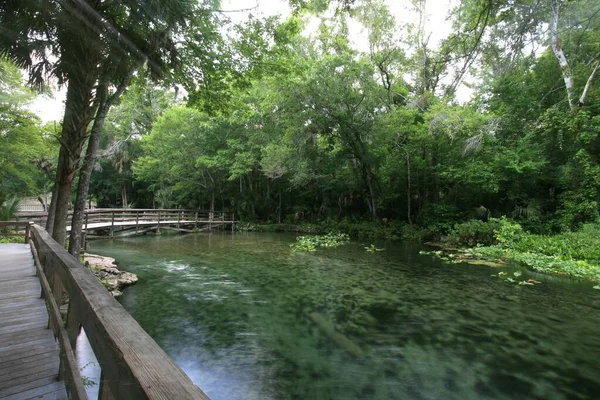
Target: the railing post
(196, 220)
(27, 232)
(178, 218)
(158, 224)
(57, 291)
(112, 224)
(73, 325)
(137, 218)
(233, 222)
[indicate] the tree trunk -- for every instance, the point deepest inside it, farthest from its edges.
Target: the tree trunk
(78, 109)
(103, 104)
(588, 84)
(559, 53)
(268, 202)
(75, 237)
(124, 194)
(408, 193)
(51, 211)
(372, 195)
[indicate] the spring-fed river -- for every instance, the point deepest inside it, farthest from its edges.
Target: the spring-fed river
(248, 318)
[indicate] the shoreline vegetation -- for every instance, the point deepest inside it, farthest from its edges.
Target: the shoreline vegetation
(496, 242)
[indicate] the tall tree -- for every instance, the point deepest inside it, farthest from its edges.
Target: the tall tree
(80, 43)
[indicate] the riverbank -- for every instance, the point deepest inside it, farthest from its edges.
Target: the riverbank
(109, 275)
(364, 229)
(573, 254)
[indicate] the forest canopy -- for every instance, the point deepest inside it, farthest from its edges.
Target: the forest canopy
(288, 120)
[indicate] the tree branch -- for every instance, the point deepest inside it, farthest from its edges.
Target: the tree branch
(587, 85)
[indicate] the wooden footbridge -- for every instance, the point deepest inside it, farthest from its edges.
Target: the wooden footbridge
(125, 222)
(37, 347)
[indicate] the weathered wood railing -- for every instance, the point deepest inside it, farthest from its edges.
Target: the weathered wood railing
(132, 365)
(112, 215)
(15, 229)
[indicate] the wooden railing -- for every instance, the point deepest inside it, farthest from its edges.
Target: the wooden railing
(15, 229)
(132, 365)
(113, 215)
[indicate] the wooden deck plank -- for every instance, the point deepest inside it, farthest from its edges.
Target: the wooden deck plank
(11, 312)
(33, 382)
(29, 358)
(51, 391)
(34, 350)
(26, 359)
(10, 377)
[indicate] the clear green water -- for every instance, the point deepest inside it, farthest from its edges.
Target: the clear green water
(243, 316)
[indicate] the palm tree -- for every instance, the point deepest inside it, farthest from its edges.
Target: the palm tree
(8, 208)
(90, 46)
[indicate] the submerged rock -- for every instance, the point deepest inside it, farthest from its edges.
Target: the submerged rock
(109, 275)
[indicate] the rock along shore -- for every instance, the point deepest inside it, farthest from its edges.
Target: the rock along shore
(109, 275)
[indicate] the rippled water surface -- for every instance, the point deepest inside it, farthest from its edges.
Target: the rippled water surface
(247, 318)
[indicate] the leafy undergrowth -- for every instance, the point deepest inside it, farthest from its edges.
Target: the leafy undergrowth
(361, 229)
(12, 239)
(313, 242)
(572, 254)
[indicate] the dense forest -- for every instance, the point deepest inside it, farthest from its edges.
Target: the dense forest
(290, 121)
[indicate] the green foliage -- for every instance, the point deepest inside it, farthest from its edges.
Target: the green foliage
(573, 254)
(10, 239)
(312, 243)
(26, 155)
(8, 208)
(509, 233)
(474, 232)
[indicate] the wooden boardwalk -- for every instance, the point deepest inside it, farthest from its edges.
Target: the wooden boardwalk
(29, 355)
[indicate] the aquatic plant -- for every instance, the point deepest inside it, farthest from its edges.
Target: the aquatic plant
(312, 242)
(372, 248)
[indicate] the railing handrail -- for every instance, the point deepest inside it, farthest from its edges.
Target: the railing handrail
(15, 224)
(133, 365)
(123, 211)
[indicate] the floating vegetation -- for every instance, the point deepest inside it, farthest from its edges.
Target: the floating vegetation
(372, 248)
(516, 274)
(313, 242)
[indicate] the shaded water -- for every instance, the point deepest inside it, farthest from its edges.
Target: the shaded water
(247, 318)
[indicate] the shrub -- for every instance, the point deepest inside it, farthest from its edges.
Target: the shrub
(475, 232)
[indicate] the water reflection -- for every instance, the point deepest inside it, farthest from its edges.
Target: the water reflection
(246, 318)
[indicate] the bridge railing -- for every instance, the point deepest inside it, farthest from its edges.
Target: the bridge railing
(112, 215)
(15, 229)
(132, 364)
